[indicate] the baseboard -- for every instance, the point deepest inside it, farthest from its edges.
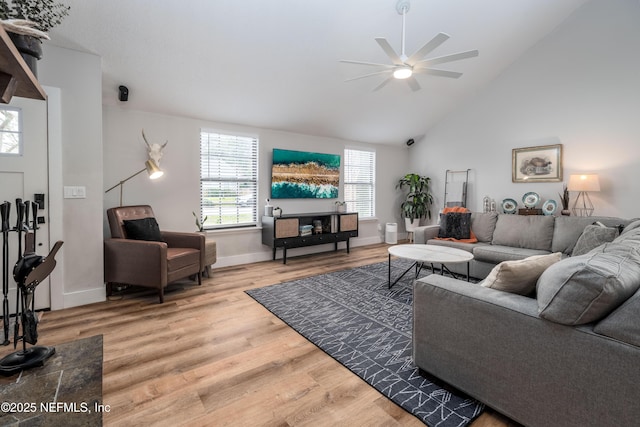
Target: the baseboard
(75, 299)
(365, 241)
(229, 261)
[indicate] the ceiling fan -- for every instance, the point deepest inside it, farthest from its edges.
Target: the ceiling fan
(404, 67)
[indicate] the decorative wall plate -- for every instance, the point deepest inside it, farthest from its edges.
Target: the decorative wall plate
(549, 207)
(509, 206)
(530, 199)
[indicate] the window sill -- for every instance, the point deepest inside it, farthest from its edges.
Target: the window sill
(239, 230)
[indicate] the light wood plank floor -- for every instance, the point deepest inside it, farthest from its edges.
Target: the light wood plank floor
(212, 356)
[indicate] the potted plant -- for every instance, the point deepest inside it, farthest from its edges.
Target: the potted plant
(564, 200)
(418, 201)
(200, 224)
(27, 23)
(341, 207)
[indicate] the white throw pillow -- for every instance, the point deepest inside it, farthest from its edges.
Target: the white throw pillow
(520, 276)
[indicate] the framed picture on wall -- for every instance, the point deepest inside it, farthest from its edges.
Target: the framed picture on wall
(537, 164)
(304, 175)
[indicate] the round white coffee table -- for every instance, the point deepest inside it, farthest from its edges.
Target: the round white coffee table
(428, 254)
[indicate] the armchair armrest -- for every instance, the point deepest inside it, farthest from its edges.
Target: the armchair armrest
(424, 233)
(176, 239)
(122, 262)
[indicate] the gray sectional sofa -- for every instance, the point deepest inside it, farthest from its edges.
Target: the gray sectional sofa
(568, 355)
(503, 237)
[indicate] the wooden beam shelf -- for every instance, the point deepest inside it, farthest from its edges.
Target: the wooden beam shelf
(16, 79)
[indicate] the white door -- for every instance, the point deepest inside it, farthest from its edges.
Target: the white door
(22, 176)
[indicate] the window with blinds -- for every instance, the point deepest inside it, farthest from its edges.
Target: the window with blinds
(360, 182)
(228, 180)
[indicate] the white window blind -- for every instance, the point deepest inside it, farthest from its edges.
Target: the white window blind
(10, 131)
(228, 180)
(360, 182)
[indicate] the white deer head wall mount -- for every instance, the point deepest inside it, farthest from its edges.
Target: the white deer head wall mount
(154, 150)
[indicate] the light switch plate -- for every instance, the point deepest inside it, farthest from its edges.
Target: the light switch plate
(75, 192)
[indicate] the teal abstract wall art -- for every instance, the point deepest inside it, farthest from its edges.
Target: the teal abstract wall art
(304, 175)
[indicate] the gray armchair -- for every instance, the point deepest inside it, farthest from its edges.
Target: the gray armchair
(149, 263)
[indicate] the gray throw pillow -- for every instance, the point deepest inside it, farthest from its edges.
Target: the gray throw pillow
(592, 237)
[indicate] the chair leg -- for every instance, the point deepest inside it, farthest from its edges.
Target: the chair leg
(109, 289)
(200, 278)
(161, 295)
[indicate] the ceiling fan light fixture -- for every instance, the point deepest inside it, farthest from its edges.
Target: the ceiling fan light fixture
(403, 73)
(403, 67)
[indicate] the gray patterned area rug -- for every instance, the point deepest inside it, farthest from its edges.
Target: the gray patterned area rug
(357, 320)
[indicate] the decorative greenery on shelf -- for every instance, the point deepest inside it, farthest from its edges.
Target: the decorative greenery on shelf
(418, 201)
(200, 224)
(20, 16)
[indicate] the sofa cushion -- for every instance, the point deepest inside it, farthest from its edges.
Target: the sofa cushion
(524, 231)
(142, 229)
(593, 236)
(496, 254)
(455, 225)
(520, 276)
(178, 258)
(568, 229)
(586, 288)
(483, 225)
(623, 324)
(469, 247)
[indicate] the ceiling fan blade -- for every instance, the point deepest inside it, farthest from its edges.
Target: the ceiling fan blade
(383, 84)
(427, 48)
(449, 58)
(384, 44)
(436, 72)
(413, 83)
(377, 73)
(366, 63)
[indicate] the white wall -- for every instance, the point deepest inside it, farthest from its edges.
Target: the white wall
(578, 87)
(177, 194)
(79, 78)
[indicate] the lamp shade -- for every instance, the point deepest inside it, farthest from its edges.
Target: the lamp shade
(153, 170)
(584, 183)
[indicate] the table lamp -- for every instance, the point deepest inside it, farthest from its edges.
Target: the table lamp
(584, 183)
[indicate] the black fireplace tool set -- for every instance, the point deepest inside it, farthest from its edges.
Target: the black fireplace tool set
(30, 270)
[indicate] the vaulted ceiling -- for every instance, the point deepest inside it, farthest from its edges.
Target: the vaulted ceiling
(275, 64)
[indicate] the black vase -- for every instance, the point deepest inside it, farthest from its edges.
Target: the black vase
(30, 48)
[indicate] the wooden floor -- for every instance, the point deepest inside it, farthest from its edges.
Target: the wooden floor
(212, 356)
